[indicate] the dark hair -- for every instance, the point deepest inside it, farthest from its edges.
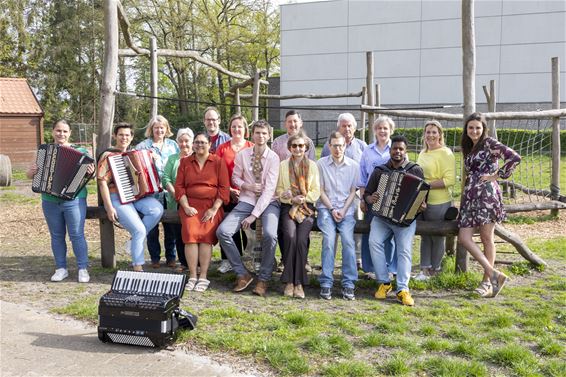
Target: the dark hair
(467, 143)
(202, 133)
(261, 124)
(335, 135)
(293, 112)
(62, 121)
(299, 135)
(399, 139)
(120, 125)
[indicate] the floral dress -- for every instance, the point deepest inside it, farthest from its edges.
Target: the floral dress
(482, 203)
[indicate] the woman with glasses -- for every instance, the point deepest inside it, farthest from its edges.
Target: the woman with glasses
(298, 189)
(201, 188)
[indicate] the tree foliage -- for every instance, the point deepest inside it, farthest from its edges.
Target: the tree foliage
(58, 46)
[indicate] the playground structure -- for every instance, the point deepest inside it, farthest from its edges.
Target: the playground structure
(115, 18)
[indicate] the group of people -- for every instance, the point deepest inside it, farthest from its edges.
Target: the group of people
(224, 184)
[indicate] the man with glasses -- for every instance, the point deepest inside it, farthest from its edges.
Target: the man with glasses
(347, 126)
(256, 170)
(212, 124)
(339, 176)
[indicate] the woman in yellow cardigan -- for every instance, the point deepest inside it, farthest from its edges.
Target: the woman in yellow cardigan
(438, 164)
(298, 189)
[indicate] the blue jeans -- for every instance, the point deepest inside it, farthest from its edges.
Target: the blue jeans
(380, 232)
(68, 216)
(138, 227)
(233, 222)
(169, 242)
(328, 227)
(390, 255)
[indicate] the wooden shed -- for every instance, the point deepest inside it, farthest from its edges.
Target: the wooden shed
(21, 121)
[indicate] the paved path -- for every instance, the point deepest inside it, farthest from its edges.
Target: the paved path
(34, 343)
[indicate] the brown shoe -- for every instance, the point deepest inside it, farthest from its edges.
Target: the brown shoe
(243, 282)
(288, 291)
(298, 292)
(155, 264)
(172, 264)
(260, 288)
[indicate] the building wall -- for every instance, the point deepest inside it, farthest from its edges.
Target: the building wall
(417, 50)
(19, 138)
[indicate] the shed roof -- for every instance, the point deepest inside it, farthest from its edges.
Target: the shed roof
(16, 97)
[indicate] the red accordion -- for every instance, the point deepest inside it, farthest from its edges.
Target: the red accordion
(135, 175)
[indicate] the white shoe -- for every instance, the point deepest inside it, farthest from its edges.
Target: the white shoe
(60, 274)
(84, 277)
(225, 266)
(421, 277)
(128, 246)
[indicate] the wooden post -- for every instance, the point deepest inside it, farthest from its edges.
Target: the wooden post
(106, 116)
(491, 102)
(153, 75)
(255, 98)
(555, 183)
(237, 101)
(363, 115)
(468, 57)
(370, 86)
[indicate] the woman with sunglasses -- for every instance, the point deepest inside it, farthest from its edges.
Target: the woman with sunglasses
(298, 189)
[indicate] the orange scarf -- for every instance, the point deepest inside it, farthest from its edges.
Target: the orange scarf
(298, 175)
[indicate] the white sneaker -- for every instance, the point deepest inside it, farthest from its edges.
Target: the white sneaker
(60, 274)
(421, 277)
(84, 277)
(225, 266)
(128, 246)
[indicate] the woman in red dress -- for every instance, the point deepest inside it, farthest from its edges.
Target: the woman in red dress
(201, 188)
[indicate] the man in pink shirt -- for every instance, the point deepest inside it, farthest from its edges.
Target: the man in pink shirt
(256, 171)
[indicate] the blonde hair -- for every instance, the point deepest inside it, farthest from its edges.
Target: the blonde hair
(440, 131)
(161, 120)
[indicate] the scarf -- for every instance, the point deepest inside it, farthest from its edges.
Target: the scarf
(298, 175)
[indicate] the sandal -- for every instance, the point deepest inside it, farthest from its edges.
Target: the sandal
(202, 285)
(191, 284)
(485, 289)
(498, 280)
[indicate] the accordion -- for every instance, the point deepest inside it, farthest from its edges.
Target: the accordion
(400, 197)
(142, 308)
(62, 171)
(135, 175)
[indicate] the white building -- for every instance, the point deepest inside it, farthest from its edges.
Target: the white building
(417, 51)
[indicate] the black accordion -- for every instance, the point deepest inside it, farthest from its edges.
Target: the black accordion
(400, 197)
(142, 308)
(62, 171)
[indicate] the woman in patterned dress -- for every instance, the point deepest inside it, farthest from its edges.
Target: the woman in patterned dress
(482, 202)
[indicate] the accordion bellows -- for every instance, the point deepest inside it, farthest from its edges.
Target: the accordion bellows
(62, 171)
(400, 197)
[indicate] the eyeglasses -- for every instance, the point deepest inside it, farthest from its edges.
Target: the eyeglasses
(212, 119)
(297, 145)
(337, 145)
(200, 142)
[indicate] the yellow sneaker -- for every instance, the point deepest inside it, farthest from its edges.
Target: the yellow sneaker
(405, 298)
(382, 291)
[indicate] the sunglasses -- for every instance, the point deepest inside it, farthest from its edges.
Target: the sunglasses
(297, 145)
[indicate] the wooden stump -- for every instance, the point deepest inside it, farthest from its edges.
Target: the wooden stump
(5, 170)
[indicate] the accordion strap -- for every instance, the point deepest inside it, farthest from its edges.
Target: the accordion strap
(186, 320)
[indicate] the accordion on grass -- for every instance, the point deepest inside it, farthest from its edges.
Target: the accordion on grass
(142, 308)
(135, 175)
(62, 171)
(400, 197)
